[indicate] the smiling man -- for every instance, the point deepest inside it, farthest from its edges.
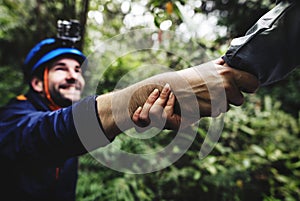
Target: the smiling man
(39, 143)
(41, 132)
(65, 82)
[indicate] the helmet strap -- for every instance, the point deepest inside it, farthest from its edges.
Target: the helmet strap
(53, 106)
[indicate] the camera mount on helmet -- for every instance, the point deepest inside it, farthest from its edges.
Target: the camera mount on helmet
(68, 31)
(68, 34)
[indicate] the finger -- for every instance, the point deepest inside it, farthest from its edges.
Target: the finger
(163, 97)
(139, 122)
(136, 115)
(169, 108)
(173, 120)
(246, 81)
(233, 93)
(157, 107)
(144, 114)
(219, 61)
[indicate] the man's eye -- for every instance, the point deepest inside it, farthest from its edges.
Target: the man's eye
(60, 68)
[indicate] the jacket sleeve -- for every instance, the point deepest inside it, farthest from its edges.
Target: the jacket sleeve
(269, 49)
(35, 137)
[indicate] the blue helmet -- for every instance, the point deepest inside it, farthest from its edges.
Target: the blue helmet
(47, 50)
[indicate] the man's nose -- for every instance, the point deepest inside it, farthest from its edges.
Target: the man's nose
(72, 75)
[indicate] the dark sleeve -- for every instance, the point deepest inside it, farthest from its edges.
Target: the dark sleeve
(35, 137)
(269, 49)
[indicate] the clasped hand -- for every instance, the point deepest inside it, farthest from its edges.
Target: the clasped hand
(159, 109)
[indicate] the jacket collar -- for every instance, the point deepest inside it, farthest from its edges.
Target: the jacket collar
(37, 100)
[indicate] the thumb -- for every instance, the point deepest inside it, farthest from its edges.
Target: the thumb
(245, 81)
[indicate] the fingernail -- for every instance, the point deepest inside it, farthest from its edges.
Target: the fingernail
(155, 92)
(171, 95)
(167, 86)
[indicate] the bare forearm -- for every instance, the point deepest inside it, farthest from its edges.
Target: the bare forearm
(115, 109)
(195, 89)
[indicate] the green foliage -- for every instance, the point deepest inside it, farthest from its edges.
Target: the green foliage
(23, 23)
(11, 84)
(238, 15)
(287, 91)
(99, 183)
(256, 158)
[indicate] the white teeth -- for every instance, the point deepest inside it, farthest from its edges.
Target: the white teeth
(72, 88)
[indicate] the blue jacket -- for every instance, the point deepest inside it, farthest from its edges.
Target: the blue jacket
(39, 147)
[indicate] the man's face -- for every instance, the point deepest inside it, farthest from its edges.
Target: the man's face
(65, 81)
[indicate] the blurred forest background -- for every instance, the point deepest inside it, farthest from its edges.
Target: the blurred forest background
(258, 154)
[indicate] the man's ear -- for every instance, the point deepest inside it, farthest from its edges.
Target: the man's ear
(37, 84)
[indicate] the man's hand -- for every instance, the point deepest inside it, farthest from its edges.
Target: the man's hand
(215, 86)
(204, 90)
(158, 111)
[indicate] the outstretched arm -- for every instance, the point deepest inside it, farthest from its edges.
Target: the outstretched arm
(196, 89)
